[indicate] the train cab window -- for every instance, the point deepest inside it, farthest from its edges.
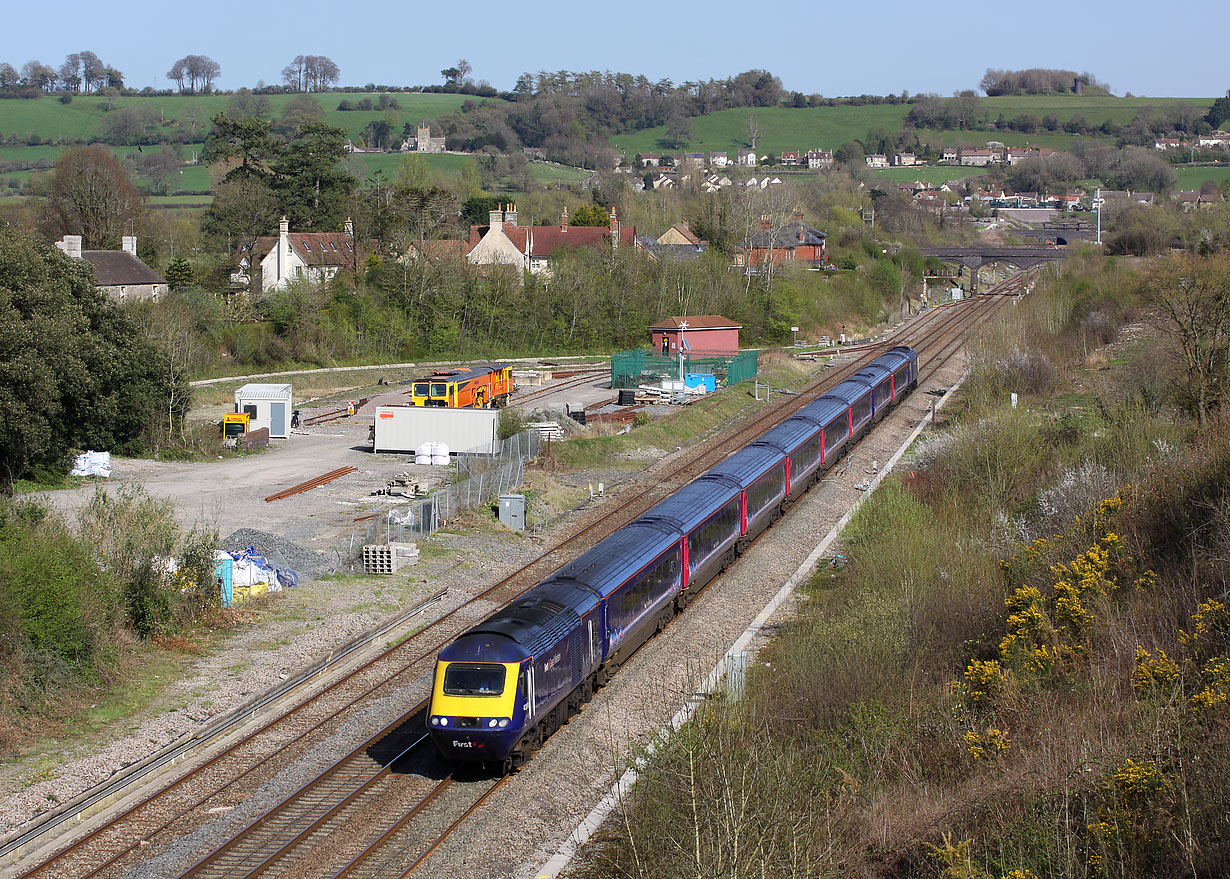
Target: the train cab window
(474, 679)
(439, 389)
(420, 389)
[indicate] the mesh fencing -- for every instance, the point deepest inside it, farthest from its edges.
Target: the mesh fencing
(480, 479)
(640, 366)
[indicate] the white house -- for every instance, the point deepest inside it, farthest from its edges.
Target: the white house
(817, 159)
(719, 160)
(905, 159)
(317, 256)
(746, 159)
(951, 156)
(977, 158)
(876, 160)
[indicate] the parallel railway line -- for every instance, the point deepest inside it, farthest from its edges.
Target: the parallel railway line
(321, 809)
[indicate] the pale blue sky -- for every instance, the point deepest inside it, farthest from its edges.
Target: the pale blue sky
(831, 49)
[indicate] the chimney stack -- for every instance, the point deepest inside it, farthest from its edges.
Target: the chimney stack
(71, 245)
(283, 263)
(128, 244)
(563, 220)
(348, 227)
(510, 214)
(495, 219)
(614, 227)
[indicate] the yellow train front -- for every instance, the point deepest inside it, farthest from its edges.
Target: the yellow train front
(488, 386)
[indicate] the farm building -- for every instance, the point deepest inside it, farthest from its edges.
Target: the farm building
(118, 273)
(269, 405)
(699, 334)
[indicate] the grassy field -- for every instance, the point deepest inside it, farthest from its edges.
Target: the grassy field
(784, 128)
(83, 118)
(1191, 178)
(551, 175)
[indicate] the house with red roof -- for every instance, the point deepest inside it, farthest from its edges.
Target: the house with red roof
(698, 334)
(503, 241)
(316, 256)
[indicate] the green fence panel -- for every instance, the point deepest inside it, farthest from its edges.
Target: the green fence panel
(640, 366)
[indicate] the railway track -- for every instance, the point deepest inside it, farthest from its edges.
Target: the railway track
(335, 798)
(581, 378)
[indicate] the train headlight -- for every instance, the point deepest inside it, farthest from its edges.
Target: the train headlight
(491, 723)
(435, 721)
(503, 722)
(443, 721)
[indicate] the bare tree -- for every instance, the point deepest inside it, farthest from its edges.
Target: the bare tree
(9, 76)
(753, 130)
(321, 72)
(68, 72)
(293, 73)
(200, 71)
(1193, 298)
(88, 194)
(311, 73)
(92, 71)
(179, 72)
(39, 75)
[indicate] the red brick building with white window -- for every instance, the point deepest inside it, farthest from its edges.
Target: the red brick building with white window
(703, 334)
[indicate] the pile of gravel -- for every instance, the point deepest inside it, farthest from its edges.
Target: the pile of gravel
(279, 551)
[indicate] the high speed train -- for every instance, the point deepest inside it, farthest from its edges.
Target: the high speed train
(509, 682)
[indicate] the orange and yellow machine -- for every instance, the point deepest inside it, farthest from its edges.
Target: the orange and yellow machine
(479, 387)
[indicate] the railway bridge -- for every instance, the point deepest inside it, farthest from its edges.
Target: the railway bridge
(974, 257)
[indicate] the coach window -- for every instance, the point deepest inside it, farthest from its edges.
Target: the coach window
(439, 389)
(836, 431)
(420, 389)
(862, 409)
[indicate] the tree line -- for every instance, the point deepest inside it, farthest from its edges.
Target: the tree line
(1039, 81)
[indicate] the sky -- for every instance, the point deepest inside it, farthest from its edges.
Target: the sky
(829, 49)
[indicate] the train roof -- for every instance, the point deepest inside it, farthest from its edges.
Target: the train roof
(692, 504)
(464, 372)
(533, 623)
(823, 411)
(894, 357)
(619, 556)
(791, 433)
(874, 372)
(748, 464)
(849, 390)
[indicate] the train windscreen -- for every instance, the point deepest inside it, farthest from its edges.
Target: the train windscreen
(474, 679)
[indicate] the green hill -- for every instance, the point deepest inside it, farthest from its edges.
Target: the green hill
(783, 128)
(83, 118)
